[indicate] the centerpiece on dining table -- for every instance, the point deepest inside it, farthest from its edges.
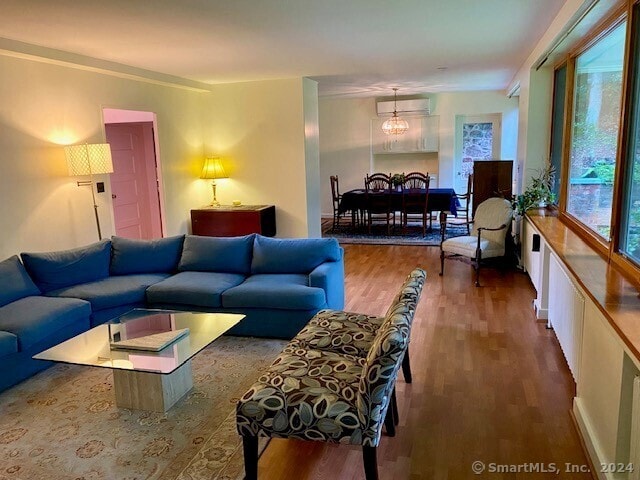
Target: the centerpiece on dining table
(397, 179)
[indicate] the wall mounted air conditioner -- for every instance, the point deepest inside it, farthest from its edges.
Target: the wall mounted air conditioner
(417, 106)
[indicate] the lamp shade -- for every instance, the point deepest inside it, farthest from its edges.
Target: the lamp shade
(213, 169)
(89, 159)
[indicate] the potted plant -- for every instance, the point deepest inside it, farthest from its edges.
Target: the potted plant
(397, 179)
(538, 194)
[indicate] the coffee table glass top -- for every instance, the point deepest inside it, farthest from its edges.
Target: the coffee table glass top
(93, 347)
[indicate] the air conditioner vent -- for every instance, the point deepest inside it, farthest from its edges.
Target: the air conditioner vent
(417, 106)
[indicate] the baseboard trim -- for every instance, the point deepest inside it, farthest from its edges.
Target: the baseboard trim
(583, 426)
(541, 313)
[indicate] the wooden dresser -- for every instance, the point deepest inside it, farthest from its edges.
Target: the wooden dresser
(491, 178)
(231, 221)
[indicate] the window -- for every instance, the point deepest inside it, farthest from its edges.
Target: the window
(557, 125)
(595, 125)
(630, 231)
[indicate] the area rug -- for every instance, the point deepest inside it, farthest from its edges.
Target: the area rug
(63, 423)
(412, 235)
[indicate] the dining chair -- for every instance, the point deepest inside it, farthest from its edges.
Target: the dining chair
(336, 199)
(378, 198)
(415, 199)
(487, 238)
(464, 201)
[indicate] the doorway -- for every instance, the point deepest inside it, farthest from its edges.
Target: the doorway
(478, 137)
(135, 181)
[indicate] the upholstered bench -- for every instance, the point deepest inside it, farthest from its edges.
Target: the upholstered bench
(332, 389)
(353, 333)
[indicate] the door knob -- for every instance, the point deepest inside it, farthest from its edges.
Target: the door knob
(113, 195)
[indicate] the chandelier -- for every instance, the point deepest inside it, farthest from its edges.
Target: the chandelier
(395, 125)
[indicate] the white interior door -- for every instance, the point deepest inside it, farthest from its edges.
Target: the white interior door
(478, 137)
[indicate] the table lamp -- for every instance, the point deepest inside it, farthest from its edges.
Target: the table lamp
(213, 170)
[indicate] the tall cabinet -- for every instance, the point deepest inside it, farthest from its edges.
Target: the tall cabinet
(491, 178)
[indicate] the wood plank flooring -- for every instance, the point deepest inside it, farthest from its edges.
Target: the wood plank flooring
(490, 383)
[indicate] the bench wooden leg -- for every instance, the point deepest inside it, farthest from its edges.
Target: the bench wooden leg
(370, 463)
(250, 447)
(406, 367)
(389, 421)
(394, 408)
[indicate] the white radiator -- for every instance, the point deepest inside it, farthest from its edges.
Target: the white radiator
(566, 311)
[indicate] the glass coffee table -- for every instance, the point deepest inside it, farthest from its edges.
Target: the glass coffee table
(149, 352)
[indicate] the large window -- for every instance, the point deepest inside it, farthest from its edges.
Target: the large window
(597, 95)
(630, 232)
(557, 125)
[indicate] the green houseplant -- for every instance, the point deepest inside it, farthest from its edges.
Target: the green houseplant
(538, 193)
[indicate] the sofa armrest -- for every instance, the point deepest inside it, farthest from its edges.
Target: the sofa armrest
(330, 277)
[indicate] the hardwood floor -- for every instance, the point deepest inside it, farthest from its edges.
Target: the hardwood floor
(490, 383)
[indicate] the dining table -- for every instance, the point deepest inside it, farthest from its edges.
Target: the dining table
(440, 199)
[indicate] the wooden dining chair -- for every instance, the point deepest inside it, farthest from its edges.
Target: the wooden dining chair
(336, 199)
(464, 201)
(378, 198)
(415, 199)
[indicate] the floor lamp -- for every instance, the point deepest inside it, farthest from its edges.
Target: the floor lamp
(89, 159)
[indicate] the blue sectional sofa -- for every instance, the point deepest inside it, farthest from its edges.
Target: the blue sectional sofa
(279, 284)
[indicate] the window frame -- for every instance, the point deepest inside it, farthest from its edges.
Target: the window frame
(603, 246)
(631, 70)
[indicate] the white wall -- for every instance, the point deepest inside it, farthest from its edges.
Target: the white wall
(534, 124)
(345, 144)
(45, 106)
(345, 137)
(259, 130)
(312, 156)
(450, 105)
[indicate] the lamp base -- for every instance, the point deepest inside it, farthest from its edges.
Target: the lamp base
(214, 202)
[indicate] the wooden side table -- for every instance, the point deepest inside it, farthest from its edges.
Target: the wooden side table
(232, 221)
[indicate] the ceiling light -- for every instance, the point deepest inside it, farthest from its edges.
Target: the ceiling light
(395, 125)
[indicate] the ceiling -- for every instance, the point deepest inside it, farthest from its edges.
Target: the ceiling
(351, 47)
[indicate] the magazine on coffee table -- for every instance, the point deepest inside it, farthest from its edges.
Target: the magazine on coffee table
(151, 343)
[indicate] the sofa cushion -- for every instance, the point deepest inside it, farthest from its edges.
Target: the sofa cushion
(217, 254)
(292, 255)
(112, 291)
(284, 291)
(33, 319)
(54, 270)
(145, 256)
(15, 282)
(201, 289)
(8, 343)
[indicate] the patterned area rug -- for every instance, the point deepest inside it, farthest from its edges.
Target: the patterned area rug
(63, 424)
(378, 236)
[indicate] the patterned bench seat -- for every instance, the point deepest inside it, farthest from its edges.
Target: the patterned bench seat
(333, 382)
(353, 333)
